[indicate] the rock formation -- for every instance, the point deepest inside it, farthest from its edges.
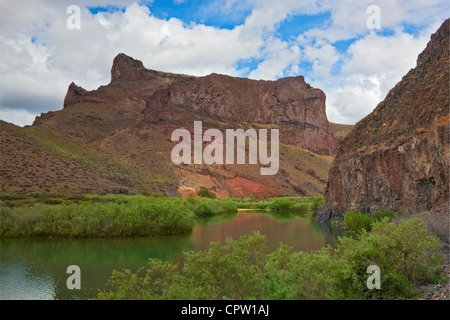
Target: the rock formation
(117, 138)
(287, 101)
(73, 94)
(398, 156)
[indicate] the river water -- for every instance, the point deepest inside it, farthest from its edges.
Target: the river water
(36, 268)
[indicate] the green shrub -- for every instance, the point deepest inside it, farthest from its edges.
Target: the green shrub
(203, 210)
(35, 194)
(252, 205)
(52, 201)
(405, 254)
(355, 221)
(213, 207)
(205, 193)
(158, 194)
(191, 200)
(7, 196)
(316, 205)
(244, 269)
(230, 271)
(301, 276)
(379, 215)
(228, 206)
(281, 204)
(98, 219)
(301, 208)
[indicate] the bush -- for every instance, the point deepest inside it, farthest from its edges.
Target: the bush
(230, 271)
(7, 196)
(159, 194)
(280, 204)
(405, 253)
(316, 205)
(35, 194)
(252, 205)
(301, 276)
(213, 207)
(355, 221)
(301, 208)
(96, 219)
(191, 200)
(380, 215)
(205, 193)
(203, 210)
(244, 269)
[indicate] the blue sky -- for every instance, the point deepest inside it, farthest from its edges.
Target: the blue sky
(189, 12)
(328, 42)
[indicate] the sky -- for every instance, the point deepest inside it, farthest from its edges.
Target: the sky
(354, 50)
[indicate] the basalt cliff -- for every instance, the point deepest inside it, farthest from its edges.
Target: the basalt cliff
(397, 157)
(117, 138)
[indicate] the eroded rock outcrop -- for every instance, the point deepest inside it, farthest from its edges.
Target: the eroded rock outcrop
(287, 101)
(73, 94)
(127, 69)
(398, 156)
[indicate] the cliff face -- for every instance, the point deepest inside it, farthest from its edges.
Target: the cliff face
(398, 156)
(288, 101)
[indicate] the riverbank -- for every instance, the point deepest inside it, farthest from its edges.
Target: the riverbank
(104, 216)
(92, 216)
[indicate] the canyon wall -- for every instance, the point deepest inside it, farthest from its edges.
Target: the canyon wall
(398, 156)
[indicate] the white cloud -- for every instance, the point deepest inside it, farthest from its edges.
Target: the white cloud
(352, 100)
(322, 58)
(278, 56)
(17, 116)
(375, 59)
(375, 65)
(35, 74)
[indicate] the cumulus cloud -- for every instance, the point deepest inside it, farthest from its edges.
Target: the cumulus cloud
(357, 79)
(322, 58)
(277, 56)
(373, 66)
(40, 56)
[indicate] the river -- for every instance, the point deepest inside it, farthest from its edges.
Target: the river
(36, 268)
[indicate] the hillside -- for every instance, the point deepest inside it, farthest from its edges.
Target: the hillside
(116, 139)
(340, 131)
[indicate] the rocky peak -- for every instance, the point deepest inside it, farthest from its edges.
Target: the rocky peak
(125, 68)
(437, 47)
(73, 93)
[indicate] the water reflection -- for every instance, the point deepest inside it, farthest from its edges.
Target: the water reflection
(295, 231)
(36, 268)
(45, 262)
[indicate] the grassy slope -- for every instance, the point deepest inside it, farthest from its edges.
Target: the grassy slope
(137, 160)
(340, 131)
